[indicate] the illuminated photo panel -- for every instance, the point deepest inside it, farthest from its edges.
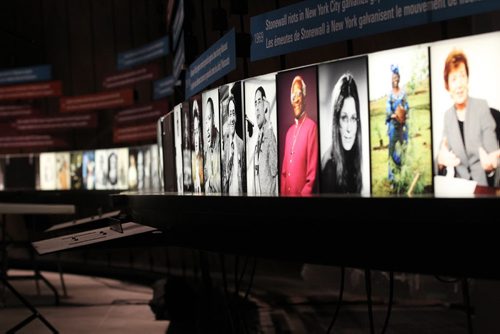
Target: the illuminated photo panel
(88, 170)
(211, 142)
(75, 169)
(63, 176)
(344, 136)
(400, 121)
(261, 135)
(197, 144)
(178, 148)
(47, 171)
(232, 139)
(298, 136)
(186, 147)
(466, 104)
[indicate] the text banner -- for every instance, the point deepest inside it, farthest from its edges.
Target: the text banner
(141, 114)
(135, 133)
(313, 23)
(56, 123)
(144, 54)
(31, 91)
(163, 87)
(26, 74)
(130, 77)
(32, 141)
(178, 23)
(179, 58)
(99, 101)
(17, 111)
(213, 64)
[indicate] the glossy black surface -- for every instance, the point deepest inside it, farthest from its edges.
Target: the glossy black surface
(446, 236)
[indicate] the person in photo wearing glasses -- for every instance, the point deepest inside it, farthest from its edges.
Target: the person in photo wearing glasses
(300, 159)
(469, 148)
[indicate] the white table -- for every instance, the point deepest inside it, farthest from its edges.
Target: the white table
(28, 209)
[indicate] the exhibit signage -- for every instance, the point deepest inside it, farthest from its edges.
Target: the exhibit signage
(179, 58)
(56, 122)
(31, 91)
(143, 113)
(144, 54)
(134, 133)
(163, 87)
(178, 22)
(213, 64)
(106, 100)
(31, 141)
(26, 74)
(313, 23)
(16, 111)
(127, 78)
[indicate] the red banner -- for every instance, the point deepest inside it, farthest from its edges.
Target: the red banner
(31, 91)
(31, 141)
(105, 100)
(146, 113)
(17, 111)
(56, 123)
(135, 133)
(127, 78)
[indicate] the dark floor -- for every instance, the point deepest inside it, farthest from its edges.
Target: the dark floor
(92, 305)
(98, 305)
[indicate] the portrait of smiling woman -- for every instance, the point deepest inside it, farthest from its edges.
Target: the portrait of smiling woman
(343, 118)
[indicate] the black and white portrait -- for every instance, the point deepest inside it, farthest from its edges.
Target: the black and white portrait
(211, 142)
(261, 133)
(344, 140)
(197, 145)
(178, 148)
(186, 147)
(232, 141)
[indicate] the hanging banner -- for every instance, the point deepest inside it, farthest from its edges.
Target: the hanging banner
(17, 111)
(179, 58)
(313, 23)
(144, 54)
(26, 74)
(31, 91)
(135, 133)
(130, 77)
(213, 64)
(169, 9)
(178, 23)
(32, 141)
(106, 100)
(140, 114)
(163, 87)
(59, 123)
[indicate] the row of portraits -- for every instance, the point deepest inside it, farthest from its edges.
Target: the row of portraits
(134, 168)
(364, 125)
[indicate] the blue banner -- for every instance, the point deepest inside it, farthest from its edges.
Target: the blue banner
(144, 54)
(179, 58)
(178, 22)
(213, 64)
(313, 23)
(163, 87)
(26, 74)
